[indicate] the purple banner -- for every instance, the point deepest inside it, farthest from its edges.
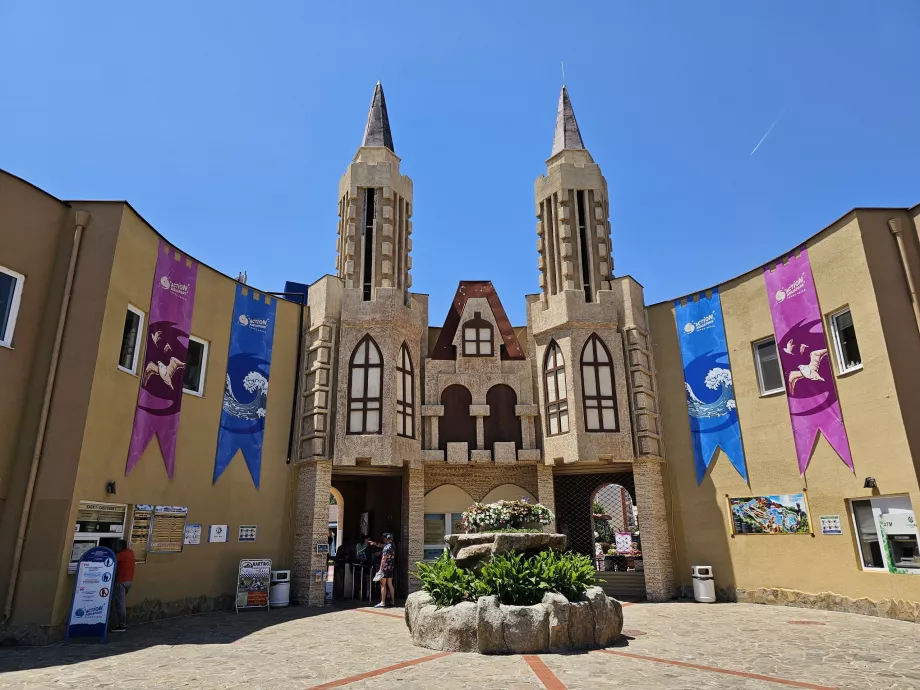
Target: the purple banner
(170, 321)
(805, 359)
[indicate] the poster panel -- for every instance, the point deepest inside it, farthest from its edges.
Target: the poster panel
(92, 589)
(168, 530)
(708, 383)
(776, 514)
(165, 354)
(242, 419)
(140, 531)
(252, 583)
(803, 352)
(192, 534)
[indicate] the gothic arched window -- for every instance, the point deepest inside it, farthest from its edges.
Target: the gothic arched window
(557, 407)
(477, 337)
(365, 374)
(405, 386)
(597, 387)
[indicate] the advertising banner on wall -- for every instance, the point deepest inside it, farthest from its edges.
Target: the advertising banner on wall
(708, 383)
(170, 320)
(92, 589)
(778, 514)
(803, 353)
(252, 583)
(242, 420)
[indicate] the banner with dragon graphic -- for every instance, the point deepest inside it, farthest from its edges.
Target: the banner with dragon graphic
(803, 353)
(708, 383)
(170, 320)
(242, 421)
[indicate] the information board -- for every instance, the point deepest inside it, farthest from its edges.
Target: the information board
(92, 589)
(830, 524)
(168, 530)
(140, 531)
(247, 533)
(193, 534)
(218, 533)
(252, 583)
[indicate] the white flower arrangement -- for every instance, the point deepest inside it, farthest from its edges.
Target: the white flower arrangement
(505, 515)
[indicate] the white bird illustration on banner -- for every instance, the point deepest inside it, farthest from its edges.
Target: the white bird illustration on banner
(165, 371)
(808, 371)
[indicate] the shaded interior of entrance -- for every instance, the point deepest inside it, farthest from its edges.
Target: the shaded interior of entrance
(369, 505)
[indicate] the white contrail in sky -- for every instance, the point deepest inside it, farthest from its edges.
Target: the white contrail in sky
(764, 137)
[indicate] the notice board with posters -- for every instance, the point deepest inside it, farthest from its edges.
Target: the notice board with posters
(252, 583)
(141, 518)
(168, 530)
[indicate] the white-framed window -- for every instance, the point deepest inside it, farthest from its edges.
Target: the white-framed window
(886, 531)
(196, 364)
(131, 335)
(405, 385)
(437, 527)
(10, 294)
(845, 345)
(557, 406)
(600, 402)
(477, 337)
(365, 390)
(769, 371)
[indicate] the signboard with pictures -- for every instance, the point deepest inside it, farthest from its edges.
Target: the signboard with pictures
(247, 533)
(218, 533)
(192, 534)
(168, 530)
(252, 583)
(92, 589)
(830, 524)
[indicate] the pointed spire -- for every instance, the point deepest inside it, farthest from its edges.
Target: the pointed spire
(377, 132)
(567, 135)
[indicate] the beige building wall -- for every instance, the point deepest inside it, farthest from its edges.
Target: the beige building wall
(870, 405)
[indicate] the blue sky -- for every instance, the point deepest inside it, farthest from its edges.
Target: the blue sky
(228, 124)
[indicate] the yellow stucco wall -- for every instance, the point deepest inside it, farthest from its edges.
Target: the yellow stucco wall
(699, 514)
(205, 569)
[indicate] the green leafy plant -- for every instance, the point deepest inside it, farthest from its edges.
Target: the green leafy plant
(446, 583)
(504, 515)
(514, 578)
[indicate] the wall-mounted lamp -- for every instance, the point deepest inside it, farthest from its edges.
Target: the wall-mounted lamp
(870, 483)
(110, 488)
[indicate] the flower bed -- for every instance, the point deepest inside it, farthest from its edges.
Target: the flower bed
(505, 515)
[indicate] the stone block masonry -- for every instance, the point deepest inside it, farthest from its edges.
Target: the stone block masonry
(311, 527)
(479, 480)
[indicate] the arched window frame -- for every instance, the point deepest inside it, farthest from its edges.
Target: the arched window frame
(595, 359)
(554, 388)
(365, 405)
(481, 341)
(405, 394)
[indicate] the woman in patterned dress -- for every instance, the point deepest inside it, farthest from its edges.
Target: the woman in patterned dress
(388, 568)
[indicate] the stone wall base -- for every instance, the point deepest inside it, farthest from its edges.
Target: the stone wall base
(895, 609)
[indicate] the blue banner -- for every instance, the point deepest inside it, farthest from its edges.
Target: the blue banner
(708, 383)
(242, 421)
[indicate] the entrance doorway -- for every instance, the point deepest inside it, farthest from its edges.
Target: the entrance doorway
(598, 515)
(371, 505)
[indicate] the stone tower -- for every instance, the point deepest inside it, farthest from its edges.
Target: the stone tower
(375, 207)
(574, 233)
(591, 350)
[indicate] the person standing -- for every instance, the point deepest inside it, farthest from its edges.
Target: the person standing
(388, 570)
(124, 577)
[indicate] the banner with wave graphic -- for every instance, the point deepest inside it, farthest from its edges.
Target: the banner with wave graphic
(165, 355)
(803, 352)
(708, 383)
(242, 419)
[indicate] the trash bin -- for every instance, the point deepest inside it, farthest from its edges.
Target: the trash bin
(704, 588)
(279, 594)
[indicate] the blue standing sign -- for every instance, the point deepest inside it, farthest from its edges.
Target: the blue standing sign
(92, 594)
(242, 420)
(708, 383)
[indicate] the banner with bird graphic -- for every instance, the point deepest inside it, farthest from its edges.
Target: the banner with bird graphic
(242, 420)
(803, 353)
(170, 320)
(708, 383)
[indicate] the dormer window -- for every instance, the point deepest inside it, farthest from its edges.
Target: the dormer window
(477, 337)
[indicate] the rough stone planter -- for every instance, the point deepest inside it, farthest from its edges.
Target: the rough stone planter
(472, 550)
(554, 625)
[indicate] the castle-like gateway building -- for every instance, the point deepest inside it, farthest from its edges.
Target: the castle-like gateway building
(654, 451)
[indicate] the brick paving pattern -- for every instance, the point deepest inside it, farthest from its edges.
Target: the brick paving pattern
(684, 645)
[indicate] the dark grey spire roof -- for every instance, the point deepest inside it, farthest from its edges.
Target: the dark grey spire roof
(377, 132)
(567, 135)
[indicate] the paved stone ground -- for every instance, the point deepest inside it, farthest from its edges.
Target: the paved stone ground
(677, 645)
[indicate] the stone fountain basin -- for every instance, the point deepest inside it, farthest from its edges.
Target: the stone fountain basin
(472, 550)
(488, 627)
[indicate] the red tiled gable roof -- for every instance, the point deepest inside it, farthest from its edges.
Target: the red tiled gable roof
(444, 348)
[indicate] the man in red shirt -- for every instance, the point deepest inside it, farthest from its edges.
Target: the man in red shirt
(124, 576)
